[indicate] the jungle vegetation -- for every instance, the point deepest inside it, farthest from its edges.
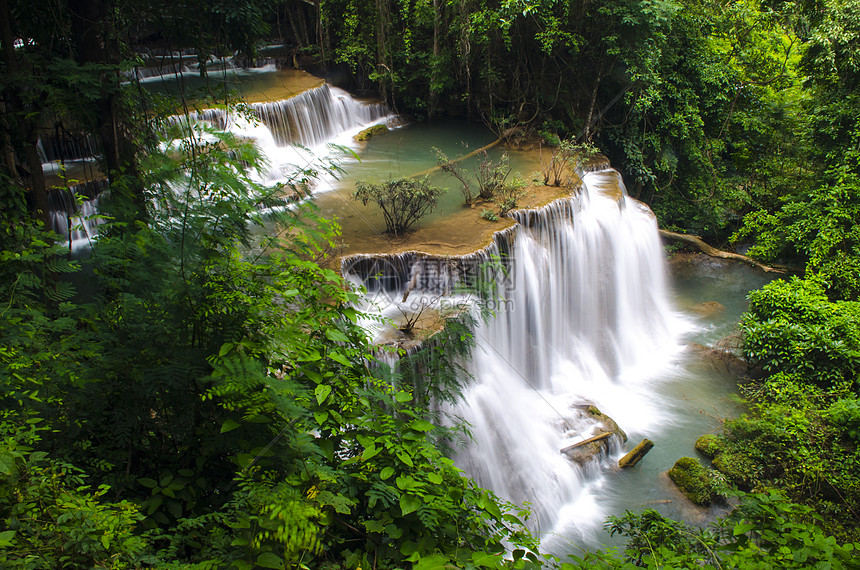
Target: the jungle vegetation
(210, 403)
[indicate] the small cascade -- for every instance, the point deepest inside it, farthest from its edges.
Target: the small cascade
(74, 212)
(68, 147)
(316, 116)
(309, 119)
(281, 128)
(581, 317)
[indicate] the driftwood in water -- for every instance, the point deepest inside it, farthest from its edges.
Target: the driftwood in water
(636, 454)
(598, 437)
(697, 242)
(586, 450)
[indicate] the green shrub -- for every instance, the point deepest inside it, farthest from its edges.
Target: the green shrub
(403, 201)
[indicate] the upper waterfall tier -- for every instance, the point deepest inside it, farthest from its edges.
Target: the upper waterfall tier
(309, 119)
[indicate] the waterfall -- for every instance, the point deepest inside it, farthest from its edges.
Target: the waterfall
(74, 212)
(310, 119)
(581, 317)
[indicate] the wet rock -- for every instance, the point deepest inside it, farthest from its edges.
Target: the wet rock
(588, 449)
(709, 445)
(708, 309)
(369, 132)
(636, 454)
(608, 423)
(723, 360)
(737, 469)
(694, 481)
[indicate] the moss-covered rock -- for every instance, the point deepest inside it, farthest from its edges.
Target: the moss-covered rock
(738, 469)
(710, 445)
(694, 480)
(607, 422)
(369, 132)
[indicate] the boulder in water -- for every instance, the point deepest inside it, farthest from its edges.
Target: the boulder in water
(708, 309)
(734, 465)
(694, 480)
(369, 132)
(584, 451)
(723, 360)
(608, 423)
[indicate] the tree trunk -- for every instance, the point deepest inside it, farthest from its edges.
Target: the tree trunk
(291, 18)
(321, 35)
(593, 102)
(381, 15)
(434, 77)
(93, 36)
(25, 121)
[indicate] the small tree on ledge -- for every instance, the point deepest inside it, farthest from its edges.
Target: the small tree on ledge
(403, 201)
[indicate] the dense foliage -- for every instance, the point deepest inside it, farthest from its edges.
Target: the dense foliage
(207, 399)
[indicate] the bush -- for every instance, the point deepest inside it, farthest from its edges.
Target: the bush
(403, 201)
(792, 327)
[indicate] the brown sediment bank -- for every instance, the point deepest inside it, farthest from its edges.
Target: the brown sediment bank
(460, 233)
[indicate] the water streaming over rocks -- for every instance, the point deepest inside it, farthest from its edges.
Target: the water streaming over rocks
(581, 316)
(290, 134)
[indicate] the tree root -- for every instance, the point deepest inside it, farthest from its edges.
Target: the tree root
(697, 242)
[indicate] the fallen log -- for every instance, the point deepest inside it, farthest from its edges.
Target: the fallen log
(598, 437)
(436, 168)
(697, 242)
(636, 454)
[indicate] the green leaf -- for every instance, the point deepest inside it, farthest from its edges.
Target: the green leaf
(402, 397)
(338, 357)
(310, 356)
(269, 560)
(742, 528)
(6, 537)
(420, 425)
(484, 559)
(386, 473)
(336, 335)
(404, 457)
(433, 562)
(320, 417)
(409, 503)
(147, 482)
(7, 465)
(229, 425)
(404, 483)
(434, 478)
(321, 392)
(370, 453)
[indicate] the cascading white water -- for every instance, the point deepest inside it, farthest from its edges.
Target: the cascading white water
(310, 119)
(586, 319)
(283, 129)
(582, 318)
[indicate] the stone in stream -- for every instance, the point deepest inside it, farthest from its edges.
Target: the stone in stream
(584, 451)
(724, 361)
(636, 454)
(694, 480)
(369, 132)
(708, 309)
